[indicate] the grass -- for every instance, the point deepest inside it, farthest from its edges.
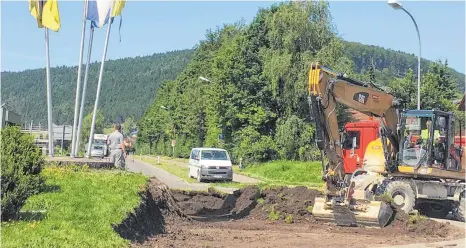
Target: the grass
(278, 173)
(76, 209)
(274, 215)
(179, 169)
(309, 209)
(416, 218)
(289, 219)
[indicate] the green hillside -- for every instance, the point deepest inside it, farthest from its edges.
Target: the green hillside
(389, 63)
(128, 87)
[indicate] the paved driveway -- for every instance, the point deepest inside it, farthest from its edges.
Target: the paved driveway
(169, 179)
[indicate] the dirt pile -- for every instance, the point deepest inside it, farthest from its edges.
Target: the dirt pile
(177, 218)
(157, 207)
(212, 204)
(280, 203)
(420, 225)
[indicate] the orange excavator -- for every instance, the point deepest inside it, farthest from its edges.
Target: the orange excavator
(427, 169)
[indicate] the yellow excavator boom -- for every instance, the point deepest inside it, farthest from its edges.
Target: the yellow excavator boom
(350, 205)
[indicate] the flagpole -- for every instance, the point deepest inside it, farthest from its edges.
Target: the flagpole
(99, 86)
(78, 84)
(81, 109)
(49, 93)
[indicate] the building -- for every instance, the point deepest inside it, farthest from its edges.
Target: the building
(8, 117)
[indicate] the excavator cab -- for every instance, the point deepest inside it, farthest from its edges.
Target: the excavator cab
(427, 145)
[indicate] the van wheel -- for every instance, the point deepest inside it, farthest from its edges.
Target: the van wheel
(402, 195)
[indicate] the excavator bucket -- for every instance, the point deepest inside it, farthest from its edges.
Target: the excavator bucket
(358, 213)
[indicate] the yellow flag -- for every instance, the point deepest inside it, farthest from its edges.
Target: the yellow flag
(35, 9)
(118, 7)
(50, 15)
(46, 13)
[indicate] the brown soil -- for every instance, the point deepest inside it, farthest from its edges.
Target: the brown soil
(211, 219)
(295, 202)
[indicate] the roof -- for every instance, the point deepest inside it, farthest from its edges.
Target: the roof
(209, 148)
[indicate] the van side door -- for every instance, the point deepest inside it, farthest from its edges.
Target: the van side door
(191, 160)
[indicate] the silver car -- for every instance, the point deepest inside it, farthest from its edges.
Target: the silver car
(210, 164)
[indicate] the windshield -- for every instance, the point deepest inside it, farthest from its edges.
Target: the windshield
(214, 155)
(100, 142)
(416, 140)
(412, 156)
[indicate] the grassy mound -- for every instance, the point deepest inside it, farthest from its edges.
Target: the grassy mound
(286, 173)
(77, 208)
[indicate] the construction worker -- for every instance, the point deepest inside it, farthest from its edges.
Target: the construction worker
(129, 147)
(425, 132)
(117, 147)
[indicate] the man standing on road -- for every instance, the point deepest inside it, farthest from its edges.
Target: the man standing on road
(117, 148)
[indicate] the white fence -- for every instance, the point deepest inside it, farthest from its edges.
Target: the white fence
(60, 132)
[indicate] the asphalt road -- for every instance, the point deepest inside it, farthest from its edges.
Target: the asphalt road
(175, 182)
(236, 177)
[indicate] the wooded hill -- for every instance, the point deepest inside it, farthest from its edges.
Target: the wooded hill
(257, 98)
(128, 87)
(130, 84)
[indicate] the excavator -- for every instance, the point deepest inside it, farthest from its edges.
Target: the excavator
(414, 160)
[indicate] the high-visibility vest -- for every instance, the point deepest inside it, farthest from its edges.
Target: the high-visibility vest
(425, 134)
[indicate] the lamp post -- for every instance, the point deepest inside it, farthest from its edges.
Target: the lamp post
(395, 4)
(220, 136)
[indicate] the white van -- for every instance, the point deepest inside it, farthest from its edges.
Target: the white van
(210, 164)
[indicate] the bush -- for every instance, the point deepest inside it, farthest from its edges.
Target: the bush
(21, 166)
(293, 137)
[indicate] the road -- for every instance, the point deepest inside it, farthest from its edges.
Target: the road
(236, 177)
(175, 182)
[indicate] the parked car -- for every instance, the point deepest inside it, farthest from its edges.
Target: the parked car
(101, 139)
(98, 150)
(209, 164)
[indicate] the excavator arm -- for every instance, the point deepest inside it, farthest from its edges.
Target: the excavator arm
(327, 88)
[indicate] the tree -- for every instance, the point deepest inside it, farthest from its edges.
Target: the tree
(438, 88)
(22, 163)
(129, 125)
(405, 89)
(86, 127)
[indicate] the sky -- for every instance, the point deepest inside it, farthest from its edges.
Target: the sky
(157, 27)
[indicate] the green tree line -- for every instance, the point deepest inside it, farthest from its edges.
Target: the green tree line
(255, 95)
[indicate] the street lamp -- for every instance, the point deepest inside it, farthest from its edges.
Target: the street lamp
(220, 136)
(205, 79)
(395, 4)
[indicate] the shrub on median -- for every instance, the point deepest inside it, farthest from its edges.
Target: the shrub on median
(21, 163)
